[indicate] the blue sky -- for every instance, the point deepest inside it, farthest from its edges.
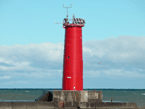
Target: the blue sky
(31, 45)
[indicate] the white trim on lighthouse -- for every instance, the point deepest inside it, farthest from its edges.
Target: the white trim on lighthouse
(68, 77)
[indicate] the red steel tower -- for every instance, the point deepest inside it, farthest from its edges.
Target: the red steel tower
(73, 56)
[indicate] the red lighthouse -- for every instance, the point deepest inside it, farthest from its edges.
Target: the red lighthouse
(73, 55)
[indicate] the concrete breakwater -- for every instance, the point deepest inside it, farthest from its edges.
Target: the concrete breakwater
(51, 105)
(68, 100)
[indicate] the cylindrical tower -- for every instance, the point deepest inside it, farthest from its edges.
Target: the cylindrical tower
(73, 56)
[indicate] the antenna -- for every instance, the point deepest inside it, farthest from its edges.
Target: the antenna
(67, 9)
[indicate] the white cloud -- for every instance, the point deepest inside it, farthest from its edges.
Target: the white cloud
(125, 49)
(119, 57)
(16, 82)
(5, 77)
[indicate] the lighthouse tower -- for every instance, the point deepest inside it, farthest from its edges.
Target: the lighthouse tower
(73, 55)
(72, 94)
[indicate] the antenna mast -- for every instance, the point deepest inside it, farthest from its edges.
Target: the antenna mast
(67, 9)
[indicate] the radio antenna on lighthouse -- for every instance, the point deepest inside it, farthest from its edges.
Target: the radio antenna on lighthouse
(67, 9)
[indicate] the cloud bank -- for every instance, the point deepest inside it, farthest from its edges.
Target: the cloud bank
(120, 57)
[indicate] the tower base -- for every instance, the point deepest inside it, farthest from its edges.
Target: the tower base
(84, 100)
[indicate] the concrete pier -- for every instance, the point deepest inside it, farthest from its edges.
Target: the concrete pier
(66, 99)
(50, 105)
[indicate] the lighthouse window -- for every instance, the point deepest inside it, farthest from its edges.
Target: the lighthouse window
(68, 57)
